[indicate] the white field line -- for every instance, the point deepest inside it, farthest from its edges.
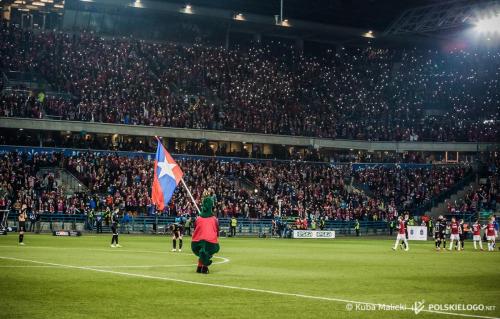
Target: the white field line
(92, 266)
(271, 292)
(146, 266)
(223, 260)
(28, 266)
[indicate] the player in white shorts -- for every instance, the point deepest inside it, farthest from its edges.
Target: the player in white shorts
(401, 234)
(491, 235)
(455, 233)
(476, 235)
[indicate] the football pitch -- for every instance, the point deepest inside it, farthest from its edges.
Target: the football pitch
(68, 277)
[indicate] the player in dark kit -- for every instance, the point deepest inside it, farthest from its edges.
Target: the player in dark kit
(22, 223)
(439, 232)
(405, 220)
(114, 230)
(437, 240)
(462, 234)
(177, 232)
(444, 226)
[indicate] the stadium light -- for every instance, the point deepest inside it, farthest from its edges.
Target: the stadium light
(368, 34)
(239, 17)
(137, 4)
(187, 9)
(285, 23)
(489, 25)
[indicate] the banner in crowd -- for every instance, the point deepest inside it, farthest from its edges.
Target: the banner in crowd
(31, 150)
(360, 166)
(313, 234)
(417, 232)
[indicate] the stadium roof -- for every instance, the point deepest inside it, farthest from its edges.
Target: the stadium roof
(328, 21)
(366, 14)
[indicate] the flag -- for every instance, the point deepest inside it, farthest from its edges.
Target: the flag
(166, 177)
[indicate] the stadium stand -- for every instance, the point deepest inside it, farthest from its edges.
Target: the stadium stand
(351, 93)
(249, 189)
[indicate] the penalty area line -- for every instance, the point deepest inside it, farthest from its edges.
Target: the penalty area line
(271, 292)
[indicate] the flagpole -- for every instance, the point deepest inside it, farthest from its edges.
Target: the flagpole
(190, 195)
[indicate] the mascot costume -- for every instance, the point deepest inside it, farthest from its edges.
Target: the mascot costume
(205, 240)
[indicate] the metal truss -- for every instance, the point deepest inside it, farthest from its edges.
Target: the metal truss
(441, 16)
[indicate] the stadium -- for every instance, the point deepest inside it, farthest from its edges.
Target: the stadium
(249, 159)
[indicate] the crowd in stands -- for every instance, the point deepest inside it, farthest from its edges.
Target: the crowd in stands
(20, 184)
(243, 189)
(485, 196)
(411, 186)
(313, 190)
(368, 93)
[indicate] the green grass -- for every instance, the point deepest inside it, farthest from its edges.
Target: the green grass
(365, 270)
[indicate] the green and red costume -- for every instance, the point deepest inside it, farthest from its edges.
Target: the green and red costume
(205, 240)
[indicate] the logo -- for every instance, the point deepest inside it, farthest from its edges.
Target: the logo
(418, 306)
(313, 234)
(305, 234)
(325, 234)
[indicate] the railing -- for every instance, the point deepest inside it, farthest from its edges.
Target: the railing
(48, 93)
(218, 135)
(74, 183)
(28, 79)
(159, 224)
(471, 216)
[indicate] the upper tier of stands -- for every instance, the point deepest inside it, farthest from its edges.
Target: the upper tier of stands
(366, 94)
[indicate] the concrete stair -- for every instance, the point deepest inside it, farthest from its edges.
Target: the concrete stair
(69, 183)
(458, 197)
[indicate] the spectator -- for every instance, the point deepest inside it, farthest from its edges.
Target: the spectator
(361, 93)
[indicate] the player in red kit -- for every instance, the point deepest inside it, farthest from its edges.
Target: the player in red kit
(455, 233)
(476, 235)
(491, 234)
(401, 234)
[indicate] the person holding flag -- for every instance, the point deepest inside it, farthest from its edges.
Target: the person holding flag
(205, 239)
